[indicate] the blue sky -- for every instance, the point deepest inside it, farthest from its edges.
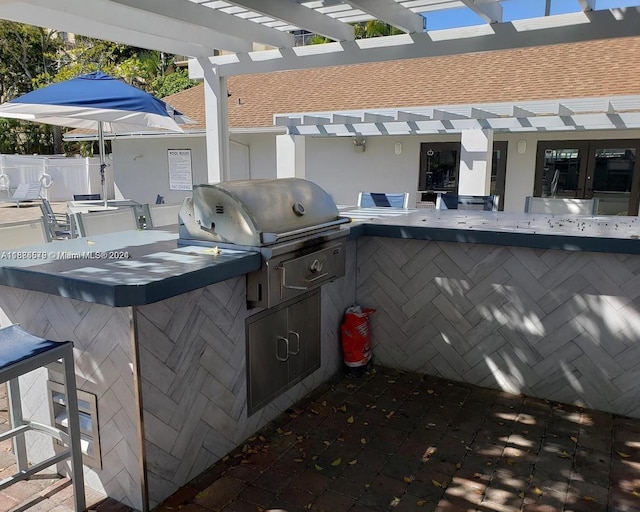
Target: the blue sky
(516, 9)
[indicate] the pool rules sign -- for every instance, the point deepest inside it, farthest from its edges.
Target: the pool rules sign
(180, 176)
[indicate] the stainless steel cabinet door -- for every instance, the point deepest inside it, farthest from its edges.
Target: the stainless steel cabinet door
(304, 337)
(267, 358)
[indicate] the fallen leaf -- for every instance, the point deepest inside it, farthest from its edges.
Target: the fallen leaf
(388, 416)
(245, 461)
(374, 407)
(313, 411)
(288, 433)
(298, 460)
(279, 430)
(391, 381)
(263, 439)
(363, 441)
(521, 495)
(408, 479)
(324, 402)
(337, 462)
(564, 455)
(352, 462)
(574, 439)
(589, 498)
(366, 486)
(315, 457)
(436, 483)
(318, 467)
(326, 443)
(623, 455)
(538, 491)
(511, 462)
(428, 453)
(350, 419)
(225, 458)
(343, 408)
(459, 465)
(394, 502)
(421, 503)
(430, 391)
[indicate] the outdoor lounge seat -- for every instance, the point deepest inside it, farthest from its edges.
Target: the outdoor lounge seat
(21, 234)
(465, 202)
(21, 353)
(56, 224)
(25, 192)
(561, 205)
(100, 223)
(383, 200)
(164, 214)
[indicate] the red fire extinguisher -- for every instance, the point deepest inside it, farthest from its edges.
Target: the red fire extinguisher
(356, 340)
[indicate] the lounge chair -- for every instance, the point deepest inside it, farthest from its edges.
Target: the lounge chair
(25, 192)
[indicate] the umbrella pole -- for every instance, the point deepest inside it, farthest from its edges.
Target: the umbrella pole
(103, 165)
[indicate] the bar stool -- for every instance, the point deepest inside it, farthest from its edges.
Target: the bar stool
(20, 353)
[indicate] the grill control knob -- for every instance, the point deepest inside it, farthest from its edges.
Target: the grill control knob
(298, 209)
(316, 266)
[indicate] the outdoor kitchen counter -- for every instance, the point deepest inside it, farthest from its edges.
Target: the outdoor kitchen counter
(538, 231)
(129, 268)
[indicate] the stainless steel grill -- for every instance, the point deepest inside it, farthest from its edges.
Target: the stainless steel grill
(293, 223)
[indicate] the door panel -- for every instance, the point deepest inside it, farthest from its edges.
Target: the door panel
(612, 178)
(440, 166)
(607, 170)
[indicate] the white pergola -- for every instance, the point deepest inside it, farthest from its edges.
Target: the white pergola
(200, 29)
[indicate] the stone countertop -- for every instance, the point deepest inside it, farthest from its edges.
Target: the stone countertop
(129, 268)
(612, 234)
(141, 267)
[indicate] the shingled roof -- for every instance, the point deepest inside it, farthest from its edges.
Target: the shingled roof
(598, 68)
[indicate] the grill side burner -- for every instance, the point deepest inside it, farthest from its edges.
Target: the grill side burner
(293, 223)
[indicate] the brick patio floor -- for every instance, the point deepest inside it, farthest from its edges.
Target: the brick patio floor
(396, 441)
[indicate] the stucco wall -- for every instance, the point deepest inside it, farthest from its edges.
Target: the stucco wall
(141, 167)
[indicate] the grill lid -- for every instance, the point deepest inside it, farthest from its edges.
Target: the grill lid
(259, 212)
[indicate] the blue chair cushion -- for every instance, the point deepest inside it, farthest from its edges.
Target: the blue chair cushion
(16, 345)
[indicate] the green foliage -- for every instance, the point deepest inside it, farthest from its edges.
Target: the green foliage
(365, 30)
(32, 57)
(172, 83)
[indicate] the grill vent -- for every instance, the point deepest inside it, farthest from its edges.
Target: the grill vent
(220, 209)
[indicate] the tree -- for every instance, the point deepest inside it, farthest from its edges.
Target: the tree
(33, 57)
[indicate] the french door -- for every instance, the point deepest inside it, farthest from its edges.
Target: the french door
(440, 166)
(606, 169)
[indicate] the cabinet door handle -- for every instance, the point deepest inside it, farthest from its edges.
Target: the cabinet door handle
(297, 343)
(286, 344)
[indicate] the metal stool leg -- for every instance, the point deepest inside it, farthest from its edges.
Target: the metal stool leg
(77, 475)
(17, 419)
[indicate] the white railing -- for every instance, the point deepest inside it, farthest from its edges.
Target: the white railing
(66, 175)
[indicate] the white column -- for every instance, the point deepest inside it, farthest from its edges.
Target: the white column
(215, 101)
(476, 153)
(290, 156)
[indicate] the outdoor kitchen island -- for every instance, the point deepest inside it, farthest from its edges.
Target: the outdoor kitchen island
(549, 310)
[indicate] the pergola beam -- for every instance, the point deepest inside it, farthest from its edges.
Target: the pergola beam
(543, 31)
(489, 10)
(300, 16)
(111, 27)
(199, 16)
(587, 5)
(391, 12)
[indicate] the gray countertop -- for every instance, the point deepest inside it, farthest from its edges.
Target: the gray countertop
(614, 234)
(121, 269)
(140, 267)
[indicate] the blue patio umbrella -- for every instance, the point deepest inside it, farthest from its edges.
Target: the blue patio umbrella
(96, 101)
